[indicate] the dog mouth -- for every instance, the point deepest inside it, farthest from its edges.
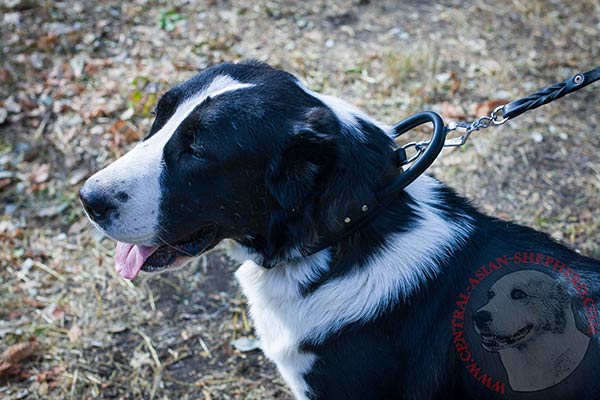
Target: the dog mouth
(130, 259)
(493, 342)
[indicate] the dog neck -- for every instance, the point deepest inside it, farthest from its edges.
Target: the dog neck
(357, 289)
(350, 287)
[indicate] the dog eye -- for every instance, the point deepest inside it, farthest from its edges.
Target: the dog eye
(196, 153)
(517, 294)
(491, 294)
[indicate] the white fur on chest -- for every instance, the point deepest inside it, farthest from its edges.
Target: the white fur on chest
(273, 307)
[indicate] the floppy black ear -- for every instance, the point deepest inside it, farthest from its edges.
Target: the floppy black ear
(294, 176)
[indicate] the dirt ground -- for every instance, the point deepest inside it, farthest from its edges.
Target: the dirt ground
(78, 81)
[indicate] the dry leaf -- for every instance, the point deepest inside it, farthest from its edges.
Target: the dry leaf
(7, 369)
(140, 359)
(452, 111)
(488, 106)
(245, 344)
(40, 174)
(5, 182)
(74, 333)
(33, 303)
(78, 175)
(117, 327)
(19, 351)
(116, 126)
(127, 114)
(50, 374)
(132, 136)
(53, 210)
(78, 226)
(12, 357)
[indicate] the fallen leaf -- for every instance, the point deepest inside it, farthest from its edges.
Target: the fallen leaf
(40, 174)
(74, 333)
(12, 357)
(132, 135)
(127, 114)
(54, 312)
(116, 126)
(7, 369)
(77, 63)
(19, 351)
(5, 182)
(140, 359)
(117, 327)
(52, 211)
(50, 374)
(12, 106)
(78, 226)
(33, 303)
(77, 176)
(488, 106)
(245, 344)
(452, 111)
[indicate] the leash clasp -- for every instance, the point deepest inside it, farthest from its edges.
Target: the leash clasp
(496, 117)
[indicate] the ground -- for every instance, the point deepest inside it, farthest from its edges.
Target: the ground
(78, 83)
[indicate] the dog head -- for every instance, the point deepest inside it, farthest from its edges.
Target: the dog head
(522, 305)
(240, 151)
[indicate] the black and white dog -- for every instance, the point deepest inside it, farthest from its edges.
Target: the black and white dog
(387, 311)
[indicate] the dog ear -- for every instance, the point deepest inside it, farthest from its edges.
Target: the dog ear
(293, 177)
(308, 153)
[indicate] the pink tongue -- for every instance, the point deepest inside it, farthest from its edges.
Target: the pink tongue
(129, 258)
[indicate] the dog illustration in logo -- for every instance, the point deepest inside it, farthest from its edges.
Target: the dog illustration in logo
(529, 321)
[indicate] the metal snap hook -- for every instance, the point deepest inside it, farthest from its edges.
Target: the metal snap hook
(495, 115)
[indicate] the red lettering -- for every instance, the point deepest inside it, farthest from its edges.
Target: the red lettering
(464, 356)
(538, 258)
(473, 369)
(481, 273)
(474, 282)
(502, 260)
(558, 266)
(517, 258)
(498, 387)
(493, 266)
(458, 315)
(485, 380)
(549, 260)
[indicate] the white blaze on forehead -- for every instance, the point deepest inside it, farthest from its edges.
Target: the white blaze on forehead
(138, 172)
(221, 84)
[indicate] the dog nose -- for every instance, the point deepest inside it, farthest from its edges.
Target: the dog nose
(96, 203)
(482, 318)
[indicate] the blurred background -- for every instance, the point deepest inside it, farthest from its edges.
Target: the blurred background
(78, 81)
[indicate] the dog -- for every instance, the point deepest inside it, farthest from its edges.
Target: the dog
(246, 152)
(530, 323)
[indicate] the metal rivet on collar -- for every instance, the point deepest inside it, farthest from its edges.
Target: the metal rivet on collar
(365, 208)
(347, 220)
